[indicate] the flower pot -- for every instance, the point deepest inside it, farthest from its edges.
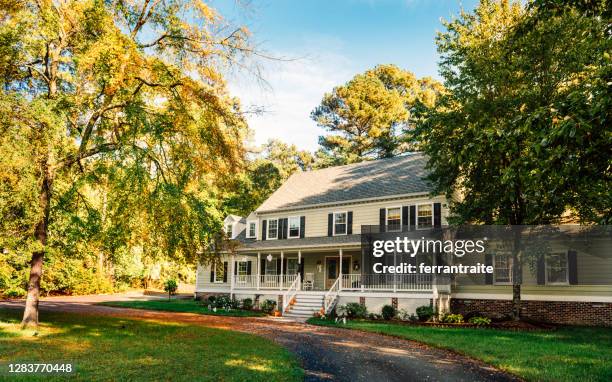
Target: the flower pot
(277, 313)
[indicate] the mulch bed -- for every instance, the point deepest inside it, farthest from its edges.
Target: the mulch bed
(503, 325)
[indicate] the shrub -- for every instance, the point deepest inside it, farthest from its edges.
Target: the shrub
(355, 310)
(268, 306)
(452, 318)
(424, 312)
(247, 304)
(15, 292)
(170, 286)
(388, 312)
(480, 321)
(374, 316)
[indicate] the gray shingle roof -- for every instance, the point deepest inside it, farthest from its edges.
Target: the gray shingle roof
(379, 178)
(254, 245)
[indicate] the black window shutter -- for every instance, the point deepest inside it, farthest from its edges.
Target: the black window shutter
(349, 223)
(412, 218)
(488, 263)
(437, 215)
(280, 225)
(235, 268)
(212, 272)
(382, 220)
(572, 267)
(541, 270)
(249, 268)
(330, 224)
(278, 266)
(284, 266)
(301, 268)
(405, 222)
(302, 226)
(262, 267)
(225, 271)
(264, 226)
(285, 228)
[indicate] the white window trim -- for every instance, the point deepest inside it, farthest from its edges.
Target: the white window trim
(268, 230)
(214, 270)
(416, 218)
(387, 219)
(510, 261)
(289, 227)
(334, 223)
(292, 258)
(248, 227)
(232, 227)
(566, 282)
(238, 262)
(274, 261)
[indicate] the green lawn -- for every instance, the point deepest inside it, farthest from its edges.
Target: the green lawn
(114, 349)
(566, 354)
(185, 306)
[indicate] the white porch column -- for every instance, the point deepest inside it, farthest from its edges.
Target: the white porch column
(258, 269)
(340, 286)
(282, 273)
(299, 287)
(233, 259)
(394, 274)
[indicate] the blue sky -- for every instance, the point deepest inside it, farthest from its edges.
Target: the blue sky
(332, 40)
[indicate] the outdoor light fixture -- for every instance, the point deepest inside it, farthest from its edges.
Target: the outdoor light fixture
(269, 257)
(356, 265)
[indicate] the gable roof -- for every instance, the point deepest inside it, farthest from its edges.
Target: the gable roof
(373, 179)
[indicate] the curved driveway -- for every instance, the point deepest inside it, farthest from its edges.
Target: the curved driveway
(326, 354)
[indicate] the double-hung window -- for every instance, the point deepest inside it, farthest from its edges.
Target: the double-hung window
(424, 216)
(339, 223)
(272, 228)
(292, 266)
(294, 226)
(394, 219)
(556, 268)
(228, 230)
(252, 230)
(219, 272)
(242, 268)
(502, 268)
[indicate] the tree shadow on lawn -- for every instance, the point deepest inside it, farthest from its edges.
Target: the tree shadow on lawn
(105, 348)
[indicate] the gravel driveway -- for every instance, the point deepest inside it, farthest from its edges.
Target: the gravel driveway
(327, 354)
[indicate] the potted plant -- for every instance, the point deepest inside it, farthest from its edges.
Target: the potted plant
(277, 313)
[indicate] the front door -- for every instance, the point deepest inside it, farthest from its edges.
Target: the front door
(332, 271)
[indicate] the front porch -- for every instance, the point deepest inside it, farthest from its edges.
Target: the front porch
(318, 271)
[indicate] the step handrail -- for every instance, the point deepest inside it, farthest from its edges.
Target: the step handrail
(329, 299)
(290, 293)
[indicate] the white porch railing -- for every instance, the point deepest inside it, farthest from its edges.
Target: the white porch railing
(329, 300)
(387, 282)
(290, 293)
(265, 281)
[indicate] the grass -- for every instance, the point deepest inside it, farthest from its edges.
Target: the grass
(184, 306)
(566, 354)
(115, 349)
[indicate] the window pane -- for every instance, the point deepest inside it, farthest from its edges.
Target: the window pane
(219, 272)
(270, 267)
(340, 223)
(252, 230)
(228, 230)
(556, 268)
(503, 268)
(242, 268)
(424, 216)
(394, 219)
(292, 266)
(272, 229)
(294, 227)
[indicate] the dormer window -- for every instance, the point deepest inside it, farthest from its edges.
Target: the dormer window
(394, 219)
(272, 229)
(339, 223)
(251, 230)
(228, 230)
(294, 226)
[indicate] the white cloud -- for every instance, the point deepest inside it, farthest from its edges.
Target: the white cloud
(294, 89)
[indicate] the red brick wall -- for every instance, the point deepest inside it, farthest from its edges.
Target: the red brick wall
(557, 312)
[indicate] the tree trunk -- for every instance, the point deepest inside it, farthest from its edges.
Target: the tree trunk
(517, 273)
(516, 302)
(30, 314)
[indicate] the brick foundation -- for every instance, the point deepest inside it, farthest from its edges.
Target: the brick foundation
(557, 312)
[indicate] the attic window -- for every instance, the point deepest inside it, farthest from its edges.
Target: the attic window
(252, 230)
(228, 230)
